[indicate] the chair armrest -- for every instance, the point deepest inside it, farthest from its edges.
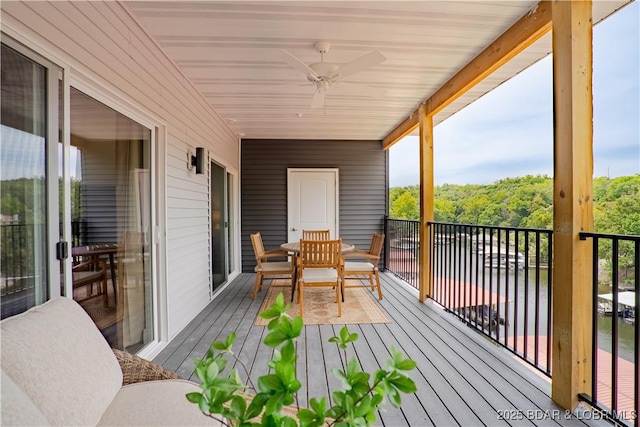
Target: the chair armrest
(135, 369)
(276, 252)
(358, 253)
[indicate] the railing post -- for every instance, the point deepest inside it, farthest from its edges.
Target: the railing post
(385, 262)
(572, 42)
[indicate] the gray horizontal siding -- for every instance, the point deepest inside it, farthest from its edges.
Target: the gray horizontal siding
(363, 187)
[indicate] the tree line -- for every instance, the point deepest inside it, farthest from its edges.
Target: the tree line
(527, 202)
(523, 202)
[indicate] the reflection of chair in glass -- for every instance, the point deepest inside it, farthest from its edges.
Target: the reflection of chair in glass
(264, 267)
(367, 267)
(85, 274)
(315, 235)
(319, 265)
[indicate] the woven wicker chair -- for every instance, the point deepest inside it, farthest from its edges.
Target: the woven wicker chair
(135, 369)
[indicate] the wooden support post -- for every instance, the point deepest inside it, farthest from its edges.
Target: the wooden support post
(572, 200)
(426, 201)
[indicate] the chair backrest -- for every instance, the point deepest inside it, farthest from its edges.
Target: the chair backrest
(258, 247)
(320, 253)
(315, 235)
(377, 242)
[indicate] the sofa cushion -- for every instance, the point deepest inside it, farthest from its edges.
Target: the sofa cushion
(156, 403)
(17, 409)
(61, 361)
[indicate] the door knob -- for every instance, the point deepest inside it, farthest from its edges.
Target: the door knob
(294, 229)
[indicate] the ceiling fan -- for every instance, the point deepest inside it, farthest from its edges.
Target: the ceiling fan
(326, 74)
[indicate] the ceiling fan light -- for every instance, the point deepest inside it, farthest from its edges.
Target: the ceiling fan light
(322, 86)
(324, 68)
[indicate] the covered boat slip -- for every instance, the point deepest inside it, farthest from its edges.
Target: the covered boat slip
(462, 378)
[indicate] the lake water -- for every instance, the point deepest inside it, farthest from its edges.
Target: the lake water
(526, 293)
(626, 339)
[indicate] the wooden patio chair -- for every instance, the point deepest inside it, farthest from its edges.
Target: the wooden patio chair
(274, 269)
(315, 235)
(368, 266)
(86, 273)
(319, 265)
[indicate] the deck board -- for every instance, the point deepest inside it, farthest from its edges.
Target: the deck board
(462, 378)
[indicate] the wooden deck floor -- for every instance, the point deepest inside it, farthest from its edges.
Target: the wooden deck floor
(462, 378)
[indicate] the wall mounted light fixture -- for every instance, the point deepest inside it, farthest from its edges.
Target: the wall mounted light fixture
(196, 160)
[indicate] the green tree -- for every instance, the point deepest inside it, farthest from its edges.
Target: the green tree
(405, 206)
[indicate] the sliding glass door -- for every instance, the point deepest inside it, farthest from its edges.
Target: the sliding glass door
(29, 212)
(76, 205)
(110, 162)
(219, 235)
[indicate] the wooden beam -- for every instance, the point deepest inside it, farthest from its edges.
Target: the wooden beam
(521, 35)
(407, 126)
(426, 203)
(572, 201)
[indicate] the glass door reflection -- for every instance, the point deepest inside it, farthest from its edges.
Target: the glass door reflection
(111, 221)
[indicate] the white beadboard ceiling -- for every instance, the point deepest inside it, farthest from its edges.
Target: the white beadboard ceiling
(229, 50)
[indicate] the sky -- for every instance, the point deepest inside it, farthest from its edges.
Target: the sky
(509, 131)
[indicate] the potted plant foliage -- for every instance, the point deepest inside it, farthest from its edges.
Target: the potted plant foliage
(272, 401)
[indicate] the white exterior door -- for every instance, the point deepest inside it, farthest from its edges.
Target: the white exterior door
(312, 196)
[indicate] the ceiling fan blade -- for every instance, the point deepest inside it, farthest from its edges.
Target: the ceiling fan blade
(318, 99)
(296, 63)
(365, 61)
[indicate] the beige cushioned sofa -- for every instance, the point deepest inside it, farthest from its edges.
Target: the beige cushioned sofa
(57, 369)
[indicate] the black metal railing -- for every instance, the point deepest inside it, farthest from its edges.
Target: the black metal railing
(616, 335)
(401, 252)
(497, 280)
(19, 266)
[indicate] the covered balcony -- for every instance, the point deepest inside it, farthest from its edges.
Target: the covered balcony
(192, 121)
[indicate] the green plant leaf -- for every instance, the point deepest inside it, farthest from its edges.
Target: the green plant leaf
(318, 405)
(394, 397)
(404, 384)
(342, 377)
(406, 365)
(212, 370)
(288, 422)
(195, 397)
(271, 382)
(353, 367)
(306, 416)
(238, 406)
(274, 404)
(288, 352)
(275, 338)
(219, 345)
(380, 375)
(231, 338)
(297, 324)
(344, 334)
(280, 299)
(257, 404)
(270, 313)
